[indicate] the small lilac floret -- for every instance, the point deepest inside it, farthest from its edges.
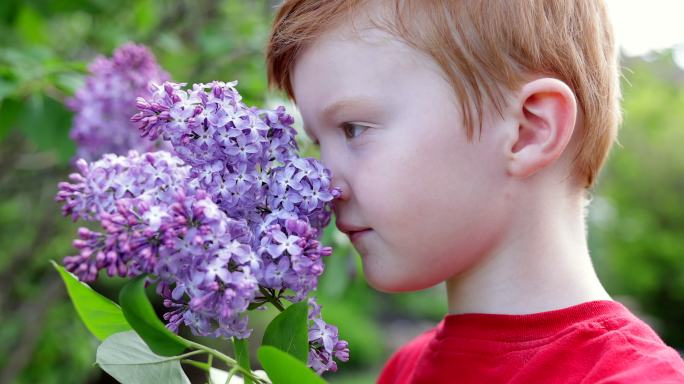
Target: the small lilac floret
(324, 342)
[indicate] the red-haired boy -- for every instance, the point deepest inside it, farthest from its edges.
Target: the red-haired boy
(464, 136)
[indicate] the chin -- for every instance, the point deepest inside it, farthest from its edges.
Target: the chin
(386, 282)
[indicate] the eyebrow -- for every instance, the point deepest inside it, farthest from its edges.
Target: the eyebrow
(334, 108)
(346, 102)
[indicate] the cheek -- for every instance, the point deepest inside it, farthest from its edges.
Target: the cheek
(435, 212)
(388, 187)
(416, 181)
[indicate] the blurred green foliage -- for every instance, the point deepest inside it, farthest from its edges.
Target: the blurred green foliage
(636, 219)
(45, 49)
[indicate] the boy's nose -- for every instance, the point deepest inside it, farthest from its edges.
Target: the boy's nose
(343, 187)
(344, 195)
(338, 180)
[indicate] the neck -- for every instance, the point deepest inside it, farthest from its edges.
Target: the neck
(541, 264)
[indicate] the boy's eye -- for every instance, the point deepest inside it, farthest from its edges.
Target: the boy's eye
(350, 129)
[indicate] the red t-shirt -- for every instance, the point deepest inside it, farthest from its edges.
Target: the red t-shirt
(593, 342)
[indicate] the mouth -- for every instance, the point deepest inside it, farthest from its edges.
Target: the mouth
(356, 235)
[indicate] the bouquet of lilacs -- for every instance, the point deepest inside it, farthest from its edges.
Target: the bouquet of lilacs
(228, 220)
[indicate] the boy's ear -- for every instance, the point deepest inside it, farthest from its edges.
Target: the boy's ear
(546, 111)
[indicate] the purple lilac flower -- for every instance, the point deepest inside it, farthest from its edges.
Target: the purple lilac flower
(131, 198)
(91, 258)
(196, 251)
(324, 342)
(232, 215)
(129, 246)
(206, 270)
(247, 159)
(225, 141)
(103, 106)
(296, 241)
(96, 187)
(303, 186)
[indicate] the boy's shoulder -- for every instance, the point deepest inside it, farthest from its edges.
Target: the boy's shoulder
(403, 362)
(628, 350)
(591, 342)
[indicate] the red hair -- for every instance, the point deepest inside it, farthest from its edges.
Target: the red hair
(484, 48)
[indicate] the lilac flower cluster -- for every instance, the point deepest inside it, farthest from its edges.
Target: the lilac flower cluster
(324, 342)
(130, 197)
(96, 187)
(205, 269)
(153, 223)
(105, 103)
(234, 149)
(291, 257)
(229, 221)
(246, 159)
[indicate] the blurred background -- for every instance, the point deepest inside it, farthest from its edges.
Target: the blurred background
(636, 217)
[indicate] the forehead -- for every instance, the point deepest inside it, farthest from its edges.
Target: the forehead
(346, 51)
(352, 67)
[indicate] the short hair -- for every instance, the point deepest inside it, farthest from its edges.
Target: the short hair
(485, 47)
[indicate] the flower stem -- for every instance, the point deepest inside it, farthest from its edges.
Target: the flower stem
(210, 360)
(231, 374)
(241, 348)
(278, 304)
(198, 364)
(183, 356)
(270, 296)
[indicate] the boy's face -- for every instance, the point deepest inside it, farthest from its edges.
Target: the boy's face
(398, 150)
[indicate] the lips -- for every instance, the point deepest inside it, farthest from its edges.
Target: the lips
(353, 231)
(348, 228)
(356, 235)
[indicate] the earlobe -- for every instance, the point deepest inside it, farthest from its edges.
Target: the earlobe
(546, 114)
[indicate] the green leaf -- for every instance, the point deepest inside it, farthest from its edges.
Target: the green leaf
(242, 355)
(127, 358)
(289, 331)
(141, 316)
(100, 315)
(282, 368)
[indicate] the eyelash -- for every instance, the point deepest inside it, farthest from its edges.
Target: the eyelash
(344, 127)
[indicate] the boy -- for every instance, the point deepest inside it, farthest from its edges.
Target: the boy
(394, 92)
